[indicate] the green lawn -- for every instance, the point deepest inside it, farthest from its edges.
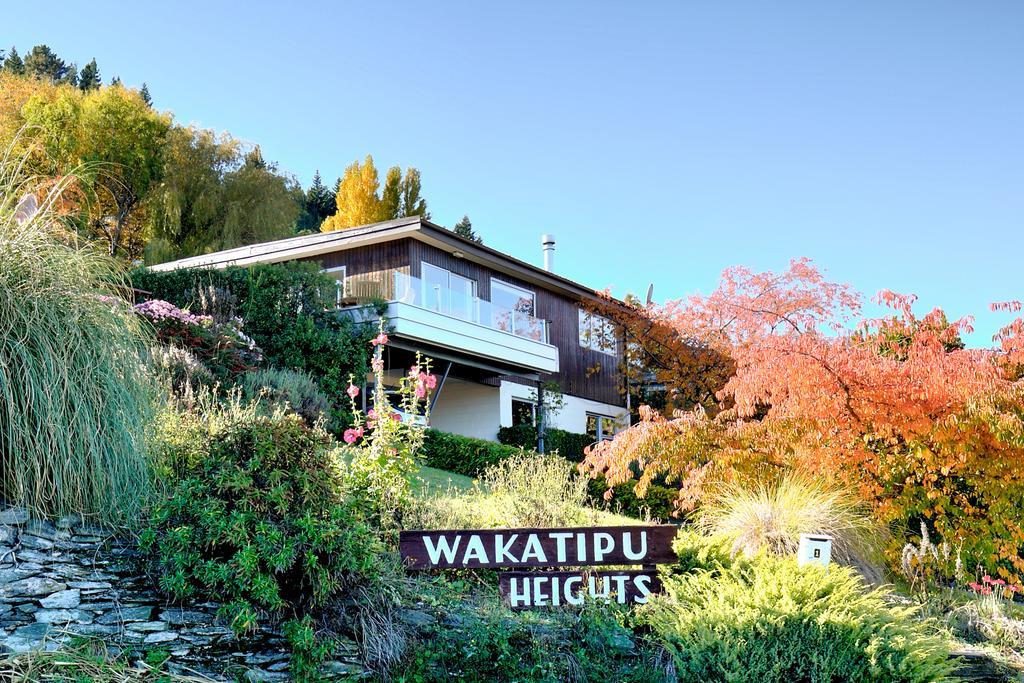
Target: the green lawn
(434, 482)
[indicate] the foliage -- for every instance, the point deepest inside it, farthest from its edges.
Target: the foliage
(897, 410)
(770, 517)
(74, 390)
(317, 204)
(360, 201)
(309, 652)
(86, 661)
(770, 621)
(288, 311)
(223, 348)
(569, 445)
(180, 369)
(389, 437)
(216, 196)
(264, 522)
(281, 389)
(462, 454)
(666, 368)
(523, 490)
(658, 502)
(464, 228)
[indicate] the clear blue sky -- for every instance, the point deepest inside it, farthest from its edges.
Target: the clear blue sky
(658, 142)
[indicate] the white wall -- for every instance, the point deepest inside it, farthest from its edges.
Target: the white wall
(573, 415)
(469, 409)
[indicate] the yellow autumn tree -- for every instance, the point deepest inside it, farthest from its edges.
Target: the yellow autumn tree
(360, 201)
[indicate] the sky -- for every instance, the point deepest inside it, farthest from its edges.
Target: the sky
(659, 142)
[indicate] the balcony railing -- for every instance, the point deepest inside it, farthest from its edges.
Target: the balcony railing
(395, 285)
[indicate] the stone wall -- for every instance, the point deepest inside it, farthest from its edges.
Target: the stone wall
(65, 579)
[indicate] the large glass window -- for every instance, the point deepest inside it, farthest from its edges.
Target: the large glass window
(338, 275)
(523, 412)
(512, 310)
(600, 427)
(597, 333)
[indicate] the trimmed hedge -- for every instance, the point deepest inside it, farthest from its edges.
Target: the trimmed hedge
(569, 445)
(462, 454)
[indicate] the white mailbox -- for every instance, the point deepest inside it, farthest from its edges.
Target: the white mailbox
(814, 549)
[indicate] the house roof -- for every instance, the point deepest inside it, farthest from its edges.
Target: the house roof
(413, 227)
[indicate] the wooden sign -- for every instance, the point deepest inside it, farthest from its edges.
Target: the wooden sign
(524, 590)
(516, 548)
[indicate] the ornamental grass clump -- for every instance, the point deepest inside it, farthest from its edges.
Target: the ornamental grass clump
(770, 621)
(75, 393)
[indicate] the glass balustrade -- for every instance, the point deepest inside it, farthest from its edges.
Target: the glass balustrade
(461, 302)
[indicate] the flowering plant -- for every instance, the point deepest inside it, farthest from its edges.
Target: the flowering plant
(223, 347)
(388, 436)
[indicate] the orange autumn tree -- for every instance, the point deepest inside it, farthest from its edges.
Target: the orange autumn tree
(895, 407)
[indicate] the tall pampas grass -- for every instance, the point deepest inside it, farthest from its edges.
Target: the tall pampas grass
(770, 516)
(75, 394)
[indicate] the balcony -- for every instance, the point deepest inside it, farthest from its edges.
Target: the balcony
(457, 320)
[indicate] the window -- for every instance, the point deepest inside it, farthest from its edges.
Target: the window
(338, 275)
(600, 427)
(597, 333)
(523, 412)
(512, 310)
(448, 293)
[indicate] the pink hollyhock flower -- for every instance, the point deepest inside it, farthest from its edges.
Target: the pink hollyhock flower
(381, 339)
(420, 391)
(352, 391)
(414, 371)
(397, 417)
(372, 414)
(377, 364)
(351, 435)
(430, 381)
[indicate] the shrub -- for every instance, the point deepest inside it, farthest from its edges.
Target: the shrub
(288, 310)
(292, 388)
(263, 522)
(569, 445)
(771, 517)
(180, 369)
(222, 347)
(462, 454)
(522, 490)
(75, 393)
(770, 621)
(659, 502)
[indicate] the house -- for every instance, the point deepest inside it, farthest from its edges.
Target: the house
(495, 327)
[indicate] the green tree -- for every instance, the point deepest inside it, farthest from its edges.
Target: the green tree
(124, 138)
(317, 205)
(13, 63)
(144, 92)
(89, 78)
(412, 203)
(464, 228)
(44, 64)
(215, 195)
(391, 196)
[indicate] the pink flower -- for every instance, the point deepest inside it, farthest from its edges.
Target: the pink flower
(430, 381)
(414, 371)
(377, 364)
(420, 391)
(352, 391)
(381, 339)
(999, 582)
(397, 417)
(351, 435)
(372, 414)
(975, 586)
(986, 578)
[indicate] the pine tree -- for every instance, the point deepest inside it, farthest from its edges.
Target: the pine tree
(464, 228)
(116, 80)
(89, 78)
(144, 92)
(13, 63)
(317, 204)
(44, 64)
(71, 77)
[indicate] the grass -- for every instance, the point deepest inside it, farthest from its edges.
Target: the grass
(89, 661)
(75, 394)
(431, 482)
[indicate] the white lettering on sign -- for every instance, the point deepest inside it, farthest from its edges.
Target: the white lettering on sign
(562, 547)
(554, 590)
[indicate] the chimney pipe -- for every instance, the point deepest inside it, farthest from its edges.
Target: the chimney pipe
(547, 242)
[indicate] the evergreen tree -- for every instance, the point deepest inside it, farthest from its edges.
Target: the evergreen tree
(464, 228)
(116, 80)
(145, 94)
(71, 77)
(317, 204)
(13, 63)
(89, 78)
(44, 64)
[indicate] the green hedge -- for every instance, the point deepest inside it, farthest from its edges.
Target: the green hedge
(287, 309)
(462, 454)
(659, 501)
(569, 445)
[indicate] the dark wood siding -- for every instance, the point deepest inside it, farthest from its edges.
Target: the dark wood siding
(583, 372)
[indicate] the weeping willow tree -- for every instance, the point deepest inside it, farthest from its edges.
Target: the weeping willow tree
(75, 395)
